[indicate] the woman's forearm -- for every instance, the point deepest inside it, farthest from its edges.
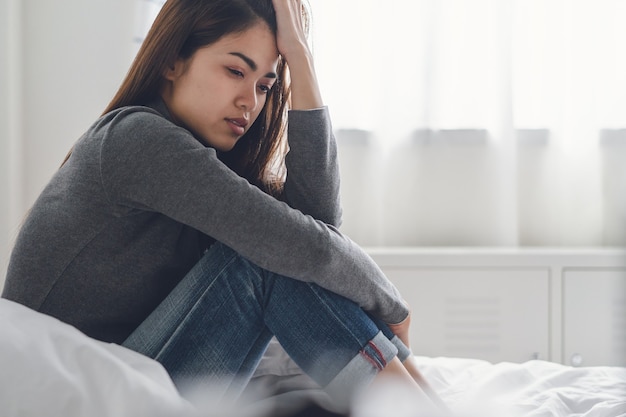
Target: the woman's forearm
(305, 91)
(292, 43)
(312, 183)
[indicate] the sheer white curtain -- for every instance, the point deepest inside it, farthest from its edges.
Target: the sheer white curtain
(481, 122)
(475, 122)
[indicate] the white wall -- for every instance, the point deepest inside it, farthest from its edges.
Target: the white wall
(4, 132)
(65, 59)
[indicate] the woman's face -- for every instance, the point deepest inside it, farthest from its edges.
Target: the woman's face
(220, 90)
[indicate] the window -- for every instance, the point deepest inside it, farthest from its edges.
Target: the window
(487, 122)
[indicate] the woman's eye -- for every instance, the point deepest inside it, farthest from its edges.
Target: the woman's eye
(235, 72)
(265, 88)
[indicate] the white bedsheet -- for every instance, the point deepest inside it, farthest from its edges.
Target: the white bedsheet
(49, 369)
(531, 389)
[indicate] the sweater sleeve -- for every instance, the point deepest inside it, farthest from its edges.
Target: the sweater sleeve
(312, 184)
(148, 163)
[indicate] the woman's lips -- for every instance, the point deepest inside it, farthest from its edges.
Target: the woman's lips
(238, 126)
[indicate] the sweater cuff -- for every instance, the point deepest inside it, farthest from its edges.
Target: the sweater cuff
(323, 108)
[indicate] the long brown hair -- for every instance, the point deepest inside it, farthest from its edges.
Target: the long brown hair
(182, 27)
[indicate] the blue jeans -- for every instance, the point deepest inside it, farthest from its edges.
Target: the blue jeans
(216, 324)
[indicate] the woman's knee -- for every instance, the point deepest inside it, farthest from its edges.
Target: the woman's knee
(222, 261)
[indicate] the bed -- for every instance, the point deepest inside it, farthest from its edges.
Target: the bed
(50, 369)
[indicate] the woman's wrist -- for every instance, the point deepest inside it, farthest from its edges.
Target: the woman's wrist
(407, 316)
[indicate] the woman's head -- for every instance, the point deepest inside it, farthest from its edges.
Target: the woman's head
(184, 27)
(220, 90)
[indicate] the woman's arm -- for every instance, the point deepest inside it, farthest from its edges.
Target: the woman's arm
(292, 44)
(148, 163)
(312, 184)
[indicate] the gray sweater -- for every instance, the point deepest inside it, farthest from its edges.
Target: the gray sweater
(123, 221)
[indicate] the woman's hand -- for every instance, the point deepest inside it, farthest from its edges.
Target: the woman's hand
(292, 44)
(402, 329)
(291, 37)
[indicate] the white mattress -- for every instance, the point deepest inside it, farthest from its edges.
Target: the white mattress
(49, 369)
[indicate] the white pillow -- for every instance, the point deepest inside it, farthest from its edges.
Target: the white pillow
(48, 368)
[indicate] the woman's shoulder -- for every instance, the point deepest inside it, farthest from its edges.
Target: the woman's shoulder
(140, 126)
(115, 127)
(133, 119)
(127, 137)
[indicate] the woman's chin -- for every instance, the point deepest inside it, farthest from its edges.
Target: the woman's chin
(222, 145)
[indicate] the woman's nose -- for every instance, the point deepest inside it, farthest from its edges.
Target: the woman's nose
(247, 99)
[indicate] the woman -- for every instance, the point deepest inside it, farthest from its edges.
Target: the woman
(165, 230)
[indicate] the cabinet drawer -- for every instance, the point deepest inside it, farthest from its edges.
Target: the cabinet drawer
(496, 314)
(594, 317)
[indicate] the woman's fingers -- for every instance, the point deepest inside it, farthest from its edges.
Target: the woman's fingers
(291, 36)
(402, 329)
(291, 40)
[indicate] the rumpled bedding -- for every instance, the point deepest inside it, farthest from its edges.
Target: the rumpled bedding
(50, 369)
(531, 389)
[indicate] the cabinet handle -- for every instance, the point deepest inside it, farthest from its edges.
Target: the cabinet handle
(576, 359)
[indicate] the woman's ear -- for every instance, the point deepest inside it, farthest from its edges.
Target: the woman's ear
(174, 70)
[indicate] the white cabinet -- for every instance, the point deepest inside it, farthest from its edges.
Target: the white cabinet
(562, 305)
(492, 314)
(594, 317)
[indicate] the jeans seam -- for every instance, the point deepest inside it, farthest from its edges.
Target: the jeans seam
(371, 360)
(335, 316)
(381, 357)
(193, 307)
